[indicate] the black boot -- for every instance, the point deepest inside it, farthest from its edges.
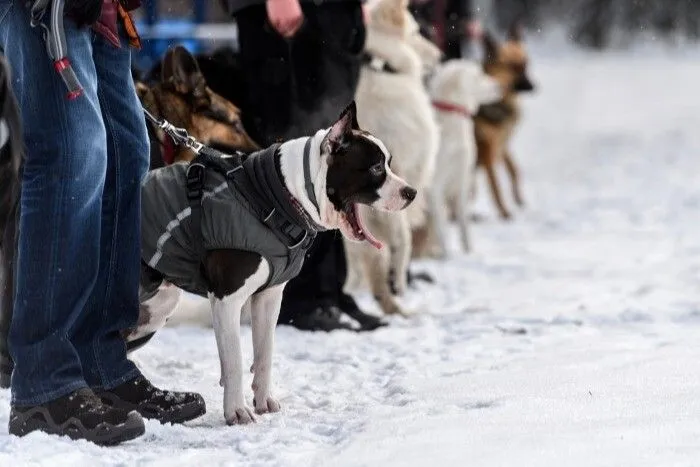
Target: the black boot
(366, 321)
(319, 318)
(165, 406)
(79, 415)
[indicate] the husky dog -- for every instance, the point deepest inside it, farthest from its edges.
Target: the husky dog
(394, 105)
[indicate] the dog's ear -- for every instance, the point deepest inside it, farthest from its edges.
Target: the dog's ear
(490, 44)
(352, 110)
(180, 69)
(338, 135)
(515, 32)
(141, 90)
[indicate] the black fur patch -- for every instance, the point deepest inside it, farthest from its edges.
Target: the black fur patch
(227, 270)
(356, 165)
(495, 113)
(350, 176)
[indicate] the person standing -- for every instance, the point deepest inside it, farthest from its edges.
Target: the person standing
(301, 62)
(450, 24)
(77, 264)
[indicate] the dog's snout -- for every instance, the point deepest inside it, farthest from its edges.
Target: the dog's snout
(408, 193)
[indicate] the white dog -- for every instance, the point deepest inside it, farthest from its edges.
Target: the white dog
(458, 89)
(393, 104)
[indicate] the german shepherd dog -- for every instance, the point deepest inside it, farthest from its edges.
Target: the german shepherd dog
(495, 123)
(181, 95)
(11, 156)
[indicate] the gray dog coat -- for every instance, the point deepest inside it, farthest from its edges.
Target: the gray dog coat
(243, 205)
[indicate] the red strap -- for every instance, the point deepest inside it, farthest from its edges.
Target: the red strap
(168, 150)
(450, 107)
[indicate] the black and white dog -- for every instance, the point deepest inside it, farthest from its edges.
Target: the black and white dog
(325, 177)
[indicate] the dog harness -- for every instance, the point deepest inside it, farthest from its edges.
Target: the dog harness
(232, 202)
(377, 64)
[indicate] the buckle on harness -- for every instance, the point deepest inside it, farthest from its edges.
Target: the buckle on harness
(195, 181)
(295, 234)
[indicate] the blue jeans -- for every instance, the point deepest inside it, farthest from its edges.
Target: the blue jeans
(77, 268)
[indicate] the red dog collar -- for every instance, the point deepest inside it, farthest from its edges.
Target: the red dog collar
(454, 108)
(168, 150)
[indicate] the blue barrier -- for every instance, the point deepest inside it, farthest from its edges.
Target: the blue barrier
(159, 34)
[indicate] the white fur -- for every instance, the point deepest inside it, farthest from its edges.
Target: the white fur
(463, 83)
(396, 108)
(158, 308)
(226, 314)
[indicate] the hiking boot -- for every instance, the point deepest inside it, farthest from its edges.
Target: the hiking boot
(78, 415)
(165, 406)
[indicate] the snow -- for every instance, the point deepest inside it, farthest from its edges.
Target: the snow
(569, 337)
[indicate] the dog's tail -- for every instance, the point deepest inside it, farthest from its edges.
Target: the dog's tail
(11, 158)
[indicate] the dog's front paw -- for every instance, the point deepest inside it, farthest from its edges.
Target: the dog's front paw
(239, 416)
(506, 216)
(266, 404)
(394, 309)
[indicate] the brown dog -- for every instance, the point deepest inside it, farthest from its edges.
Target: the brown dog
(495, 123)
(182, 97)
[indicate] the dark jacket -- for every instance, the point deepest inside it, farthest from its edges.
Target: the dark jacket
(228, 221)
(233, 6)
(446, 28)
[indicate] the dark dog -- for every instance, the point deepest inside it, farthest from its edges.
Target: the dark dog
(495, 123)
(181, 95)
(11, 156)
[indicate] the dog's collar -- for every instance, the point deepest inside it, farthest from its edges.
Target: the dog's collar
(263, 186)
(377, 64)
(308, 183)
(453, 108)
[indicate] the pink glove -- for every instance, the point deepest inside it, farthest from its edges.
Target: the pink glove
(473, 29)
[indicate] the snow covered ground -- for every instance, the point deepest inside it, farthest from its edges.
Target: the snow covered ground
(571, 337)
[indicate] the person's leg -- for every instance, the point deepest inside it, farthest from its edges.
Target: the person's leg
(113, 304)
(264, 59)
(58, 245)
(326, 61)
(326, 66)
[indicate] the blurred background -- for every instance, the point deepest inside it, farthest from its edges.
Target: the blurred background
(596, 24)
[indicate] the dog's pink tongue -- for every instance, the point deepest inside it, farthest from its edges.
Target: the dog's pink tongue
(371, 239)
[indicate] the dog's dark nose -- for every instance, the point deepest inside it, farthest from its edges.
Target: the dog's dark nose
(523, 84)
(408, 193)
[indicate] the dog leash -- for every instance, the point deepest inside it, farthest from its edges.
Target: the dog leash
(178, 135)
(56, 46)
